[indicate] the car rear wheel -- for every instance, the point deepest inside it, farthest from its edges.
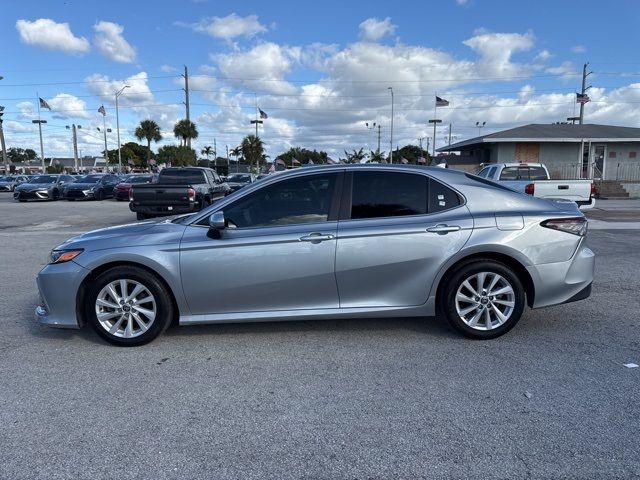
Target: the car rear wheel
(483, 299)
(141, 216)
(100, 195)
(128, 306)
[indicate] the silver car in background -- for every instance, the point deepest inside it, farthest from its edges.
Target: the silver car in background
(327, 242)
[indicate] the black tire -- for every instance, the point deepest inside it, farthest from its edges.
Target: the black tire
(100, 195)
(55, 195)
(71, 199)
(454, 280)
(164, 305)
(141, 216)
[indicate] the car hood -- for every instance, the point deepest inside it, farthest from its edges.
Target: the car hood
(33, 186)
(133, 234)
(7, 182)
(80, 186)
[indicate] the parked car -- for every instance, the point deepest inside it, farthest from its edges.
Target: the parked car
(96, 186)
(238, 180)
(10, 182)
(121, 190)
(357, 241)
(42, 187)
(177, 190)
(533, 179)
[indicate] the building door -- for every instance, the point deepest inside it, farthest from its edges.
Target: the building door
(527, 152)
(599, 160)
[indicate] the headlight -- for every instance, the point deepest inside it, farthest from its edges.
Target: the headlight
(62, 256)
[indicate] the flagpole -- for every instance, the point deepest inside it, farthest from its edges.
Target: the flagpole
(106, 150)
(40, 130)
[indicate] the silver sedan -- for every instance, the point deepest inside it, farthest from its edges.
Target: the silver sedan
(327, 242)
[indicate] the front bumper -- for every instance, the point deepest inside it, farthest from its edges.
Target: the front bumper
(77, 195)
(31, 195)
(6, 188)
(121, 194)
(564, 282)
(58, 285)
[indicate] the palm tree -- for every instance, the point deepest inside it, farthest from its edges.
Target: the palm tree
(356, 156)
(149, 130)
(186, 130)
(206, 151)
(252, 150)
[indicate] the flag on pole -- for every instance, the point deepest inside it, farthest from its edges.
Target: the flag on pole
(582, 98)
(441, 102)
(44, 104)
(263, 115)
(102, 111)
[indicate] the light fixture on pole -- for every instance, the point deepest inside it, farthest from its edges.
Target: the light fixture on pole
(118, 93)
(5, 161)
(391, 144)
(480, 126)
(371, 127)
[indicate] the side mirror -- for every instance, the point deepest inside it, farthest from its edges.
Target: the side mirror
(217, 221)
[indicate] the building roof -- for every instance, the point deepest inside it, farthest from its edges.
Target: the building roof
(562, 132)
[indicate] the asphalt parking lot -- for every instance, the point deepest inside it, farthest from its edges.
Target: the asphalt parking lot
(328, 399)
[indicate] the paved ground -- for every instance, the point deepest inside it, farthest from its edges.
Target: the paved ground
(337, 399)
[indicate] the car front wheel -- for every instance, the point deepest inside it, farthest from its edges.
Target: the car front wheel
(128, 306)
(483, 299)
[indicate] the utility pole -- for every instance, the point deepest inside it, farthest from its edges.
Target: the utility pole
(215, 155)
(5, 161)
(391, 144)
(372, 127)
(435, 122)
(186, 99)
(118, 93)
(379, 127)
(584, 89)
(74, 137)
(449, 144)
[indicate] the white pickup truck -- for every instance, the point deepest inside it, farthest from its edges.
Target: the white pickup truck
(533, 179)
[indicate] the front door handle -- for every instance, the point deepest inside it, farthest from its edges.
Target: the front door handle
(443, 229)
(316, 237)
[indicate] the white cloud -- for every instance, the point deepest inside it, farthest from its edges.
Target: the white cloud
(168, 69)
(263, 67)
(462, 2)
(496, 50)
(373, 29)
(110, 42)
(229, 27)
(579, 49)
(64, 105)
(543, 55)
(49, 35)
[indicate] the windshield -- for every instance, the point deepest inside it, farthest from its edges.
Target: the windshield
(89, 179)
(181, 177)
(9, 179)
(239, 178)
(44, 179)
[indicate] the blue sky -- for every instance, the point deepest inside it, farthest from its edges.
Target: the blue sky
(319, 69)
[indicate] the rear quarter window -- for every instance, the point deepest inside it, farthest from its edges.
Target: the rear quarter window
(442, 197)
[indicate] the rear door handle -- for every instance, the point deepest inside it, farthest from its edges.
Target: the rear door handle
(443, 229)
(316, 237)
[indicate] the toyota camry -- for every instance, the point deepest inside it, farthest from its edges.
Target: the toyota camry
(323, 243)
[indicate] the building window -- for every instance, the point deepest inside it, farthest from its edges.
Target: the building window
(612, 154)
(632, 154)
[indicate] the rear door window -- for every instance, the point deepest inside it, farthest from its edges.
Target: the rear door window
(388, 194)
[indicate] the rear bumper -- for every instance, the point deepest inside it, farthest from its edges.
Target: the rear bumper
(163, 209)
(58, 286)
(564, 282)
(587, 205)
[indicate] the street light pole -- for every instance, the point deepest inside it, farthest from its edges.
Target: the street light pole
(391, 151)
(74, 137)
(435, 122)
(118, 93)
(480, 126)
(371, 128)
(5, 161)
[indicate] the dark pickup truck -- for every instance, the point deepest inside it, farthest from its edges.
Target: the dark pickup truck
(177, 190)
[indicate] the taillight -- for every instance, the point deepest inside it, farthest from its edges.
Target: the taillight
(529, 189)
(192, 195)
(594, 190)
(574, 225)
(131, 194)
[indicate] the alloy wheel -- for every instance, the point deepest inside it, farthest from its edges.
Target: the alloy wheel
(485, 301)
(125, 308)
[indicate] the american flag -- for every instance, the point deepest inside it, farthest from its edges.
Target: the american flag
(263, 115)
(44, 104)
(441, 102)
(582, 98)
(102, 111)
